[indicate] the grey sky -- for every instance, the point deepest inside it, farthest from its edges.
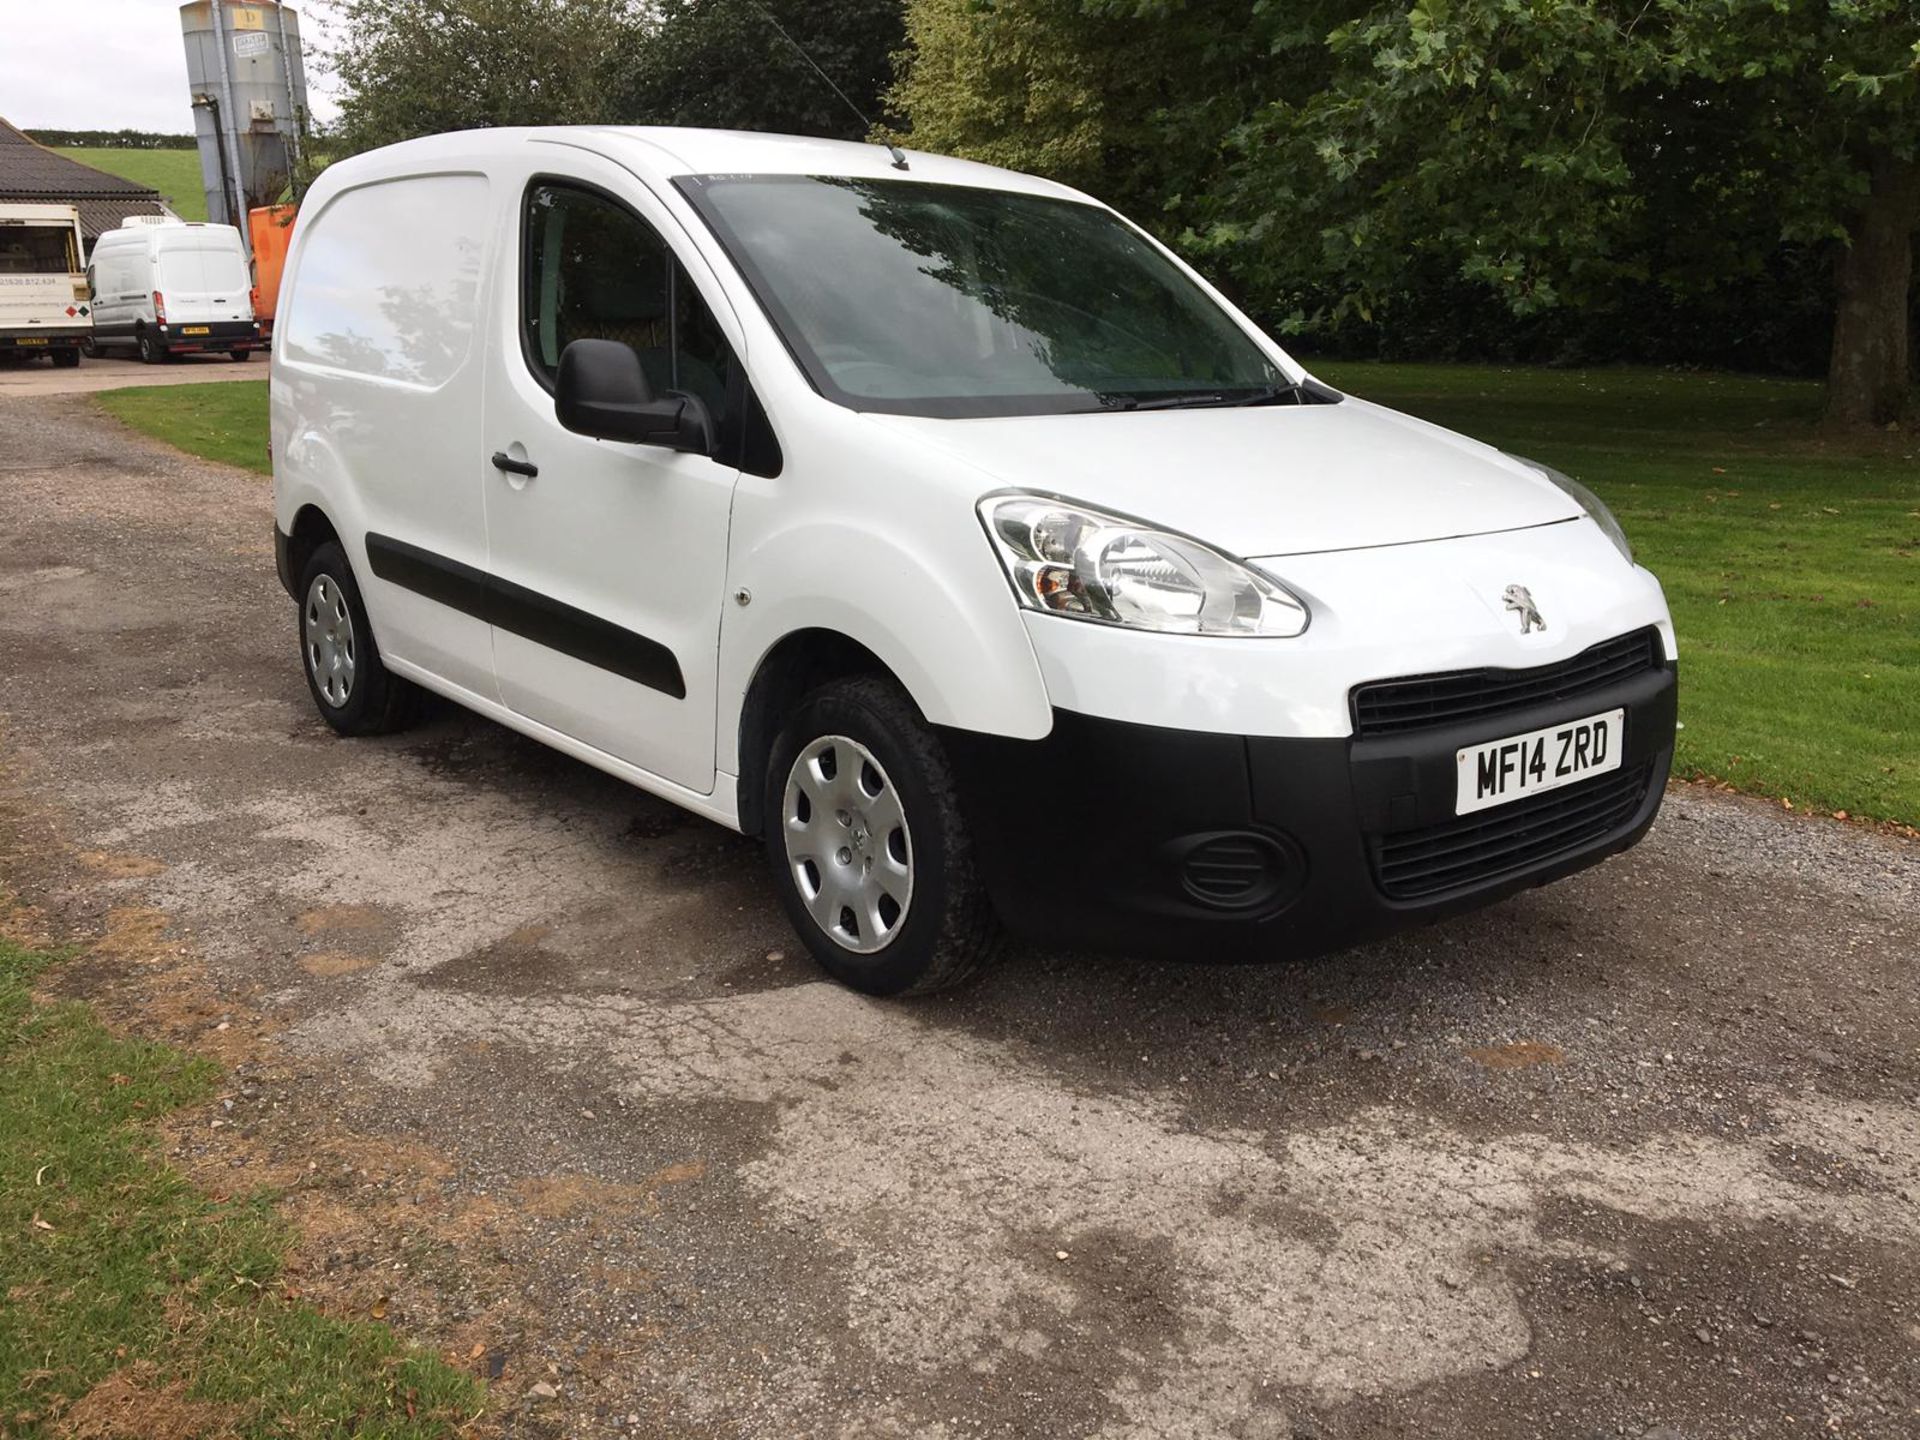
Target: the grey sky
(104, 64)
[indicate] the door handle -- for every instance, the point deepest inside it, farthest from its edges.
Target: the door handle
(504, 461)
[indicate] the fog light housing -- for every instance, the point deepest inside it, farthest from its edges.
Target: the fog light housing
(1238, 871)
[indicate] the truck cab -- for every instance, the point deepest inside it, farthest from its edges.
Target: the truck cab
(43, 285)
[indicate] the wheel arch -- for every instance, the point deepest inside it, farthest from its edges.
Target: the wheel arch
(310, 530)
(796, 665)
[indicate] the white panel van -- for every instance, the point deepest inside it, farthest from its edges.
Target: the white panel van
(941, 528)
(172, 289)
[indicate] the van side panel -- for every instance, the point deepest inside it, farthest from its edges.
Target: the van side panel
(376, 393)
(122, 296)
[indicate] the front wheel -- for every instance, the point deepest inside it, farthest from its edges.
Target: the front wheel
(869, 851)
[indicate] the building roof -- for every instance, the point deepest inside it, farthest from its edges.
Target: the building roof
(30, 171)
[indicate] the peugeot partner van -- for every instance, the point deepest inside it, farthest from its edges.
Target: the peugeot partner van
(171, 288)
(942, 529)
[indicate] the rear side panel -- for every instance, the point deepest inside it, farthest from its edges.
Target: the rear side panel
(376, 395)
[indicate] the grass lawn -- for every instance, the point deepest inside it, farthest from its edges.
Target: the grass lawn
(225, 421)
(174, 173)
(1792, 563)
(119, 1274)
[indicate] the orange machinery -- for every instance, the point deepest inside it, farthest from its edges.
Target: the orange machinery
(269, 232)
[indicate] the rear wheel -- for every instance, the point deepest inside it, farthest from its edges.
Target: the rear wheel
(240, 354)
(66, 359)
(355, 693)
(152, 349)
(868, 848)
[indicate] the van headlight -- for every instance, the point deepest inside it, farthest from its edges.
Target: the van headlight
(1067, 559)
(1595, 507)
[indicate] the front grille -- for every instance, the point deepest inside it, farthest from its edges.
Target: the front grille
(1421, 702)
(1477, 849)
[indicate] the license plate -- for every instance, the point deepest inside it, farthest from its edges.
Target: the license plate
(1540, 760)
(30, 340)
(196, 330)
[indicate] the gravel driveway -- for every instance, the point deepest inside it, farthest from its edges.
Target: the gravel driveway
(548, 1085)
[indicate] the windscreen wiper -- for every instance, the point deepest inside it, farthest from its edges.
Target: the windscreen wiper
(1204, 399)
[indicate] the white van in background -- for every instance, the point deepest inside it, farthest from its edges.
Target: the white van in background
(174, 288)
(43, 295)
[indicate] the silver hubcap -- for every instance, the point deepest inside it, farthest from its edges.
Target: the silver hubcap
(328, 631)
(847, 844)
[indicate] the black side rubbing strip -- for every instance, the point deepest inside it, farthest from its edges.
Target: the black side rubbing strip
(528, 614)
(545, 621)
(460, 586)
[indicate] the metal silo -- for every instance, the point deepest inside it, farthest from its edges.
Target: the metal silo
(249, 93)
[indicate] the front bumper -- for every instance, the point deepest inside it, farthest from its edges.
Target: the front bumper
(1147, 840)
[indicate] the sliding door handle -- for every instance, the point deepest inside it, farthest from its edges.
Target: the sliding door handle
(504, 461)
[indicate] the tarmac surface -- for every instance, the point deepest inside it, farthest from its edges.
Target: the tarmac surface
(38, 376)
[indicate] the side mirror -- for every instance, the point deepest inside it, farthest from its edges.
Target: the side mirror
(602, 391)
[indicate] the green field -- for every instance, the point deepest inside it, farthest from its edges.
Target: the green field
(118, 1273)
(174, 173)
(225, 422)
(1792, 563)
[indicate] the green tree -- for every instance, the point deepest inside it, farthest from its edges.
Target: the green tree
(421, 67)
(1134, 101)
(1828, 98)
(1550, 150)
(725, 63)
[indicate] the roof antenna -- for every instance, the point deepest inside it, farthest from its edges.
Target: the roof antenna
(899, 155)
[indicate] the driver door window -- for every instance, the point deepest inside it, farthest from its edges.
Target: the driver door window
(595, 270)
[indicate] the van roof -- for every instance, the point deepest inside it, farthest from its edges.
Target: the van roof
(665, 152)
(173, 234)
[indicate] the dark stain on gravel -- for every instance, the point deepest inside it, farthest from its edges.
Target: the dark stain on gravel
(1719, 1333)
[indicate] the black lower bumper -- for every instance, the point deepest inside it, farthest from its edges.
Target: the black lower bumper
(1143, 840)
(220, 335)
(41, 344)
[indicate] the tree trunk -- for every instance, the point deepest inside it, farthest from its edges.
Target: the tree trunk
(1868, 381)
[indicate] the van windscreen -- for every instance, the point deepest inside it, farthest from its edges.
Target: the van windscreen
(926, 299)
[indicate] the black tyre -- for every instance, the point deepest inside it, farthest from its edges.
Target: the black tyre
(152, 350)
(354, 692)
(66, 359)
(240, 354)
(867, 845)
(89, 349)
